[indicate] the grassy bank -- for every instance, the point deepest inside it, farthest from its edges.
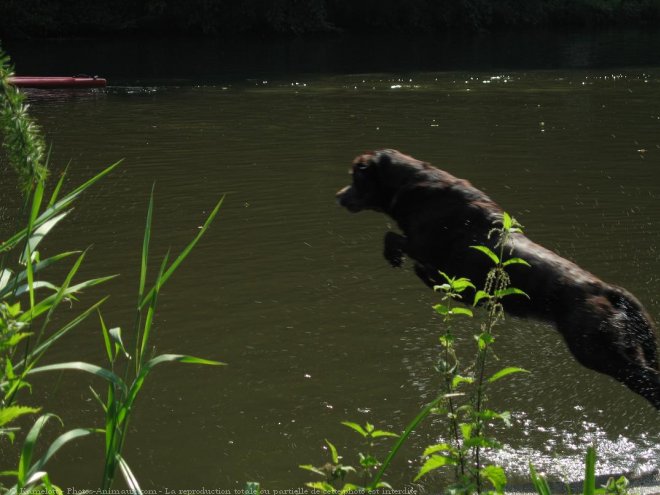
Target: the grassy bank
(40, 18)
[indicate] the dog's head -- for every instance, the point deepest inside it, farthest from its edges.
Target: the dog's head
(377, 176)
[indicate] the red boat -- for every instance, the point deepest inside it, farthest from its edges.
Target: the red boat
(58, 82)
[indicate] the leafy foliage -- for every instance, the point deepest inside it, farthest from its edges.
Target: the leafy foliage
(22, 142)
(28, 304)
(335, 472)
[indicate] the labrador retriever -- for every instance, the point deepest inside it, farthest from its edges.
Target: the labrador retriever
(441, 216)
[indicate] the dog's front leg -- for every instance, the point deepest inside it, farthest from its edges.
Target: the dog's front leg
(394, 248)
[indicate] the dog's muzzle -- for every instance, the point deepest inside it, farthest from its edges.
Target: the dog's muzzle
(346, 198)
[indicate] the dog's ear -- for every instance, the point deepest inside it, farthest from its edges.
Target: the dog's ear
(385, 157)
(365, 160)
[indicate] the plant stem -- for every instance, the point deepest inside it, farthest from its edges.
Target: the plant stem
(409, 429)
(450, 390)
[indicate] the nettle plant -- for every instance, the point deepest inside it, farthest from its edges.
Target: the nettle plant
(335, 472)
(463, 398)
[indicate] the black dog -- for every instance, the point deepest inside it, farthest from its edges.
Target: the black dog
(606, 328)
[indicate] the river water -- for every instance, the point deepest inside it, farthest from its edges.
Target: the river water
(292, 292)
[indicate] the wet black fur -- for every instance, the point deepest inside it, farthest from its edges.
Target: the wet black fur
(605, 327)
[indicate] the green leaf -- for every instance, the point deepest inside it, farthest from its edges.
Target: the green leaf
(440, 447)
(509, 292)
(106, 339)
(41, 284)
(188, 360)
(151, 311)
(5, 278)
(322, 486)
(423, 414)
(58, 186)
(25, 459)
(488, 414)
(461, 284)
(47, 303)
(184, 254)
(15, 339)
(315, 470)
(495, 259)
(128, 475)
(441, 309)
(146, 369)
(506, 371)
(57, 444)
(6, 287)
(72, 196)
(516, 261)
(382, 433)
(253, 488)
(462, 311)
(50, 488)
(466, 430)
(334, 455)
(495, 474)
(55, 209)
(351, 488)
(479, 296)
(14, 309)
(39, 233)
(507, 222)
(10, 413)
(458, 379)
(368, 461)
(484, 340)
(356, 427)
(482, 442)
(40, 349)
(115, 336)
(505, 417)
(86, 367)
(434, 462)
(145, 244)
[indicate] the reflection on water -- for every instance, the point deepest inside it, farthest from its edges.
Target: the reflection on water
(292, 292)
(563, 454)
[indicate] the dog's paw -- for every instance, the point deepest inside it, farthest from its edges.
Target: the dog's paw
(423, 272)
(394, 259)
(393, 249)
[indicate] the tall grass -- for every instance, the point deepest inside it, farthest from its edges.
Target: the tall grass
(29, 302)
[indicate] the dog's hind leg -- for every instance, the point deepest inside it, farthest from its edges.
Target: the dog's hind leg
(615, 340)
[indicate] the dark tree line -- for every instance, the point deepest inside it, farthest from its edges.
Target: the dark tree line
(37, 18)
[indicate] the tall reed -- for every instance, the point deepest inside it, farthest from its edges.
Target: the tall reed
(27, 333)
